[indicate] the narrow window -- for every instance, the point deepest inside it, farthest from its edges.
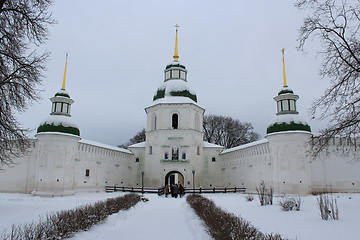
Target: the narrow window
(175, 121)
(87, 172)
(150, 150)
(213, 159)
(183, 156)
(137, 160)
(198, 150)
(292, 105)
(285, 105)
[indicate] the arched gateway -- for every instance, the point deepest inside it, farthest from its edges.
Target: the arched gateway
(174, 177)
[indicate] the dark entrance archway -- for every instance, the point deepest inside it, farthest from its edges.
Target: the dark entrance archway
(174, 177)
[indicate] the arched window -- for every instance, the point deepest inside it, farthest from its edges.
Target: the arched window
(175, 121)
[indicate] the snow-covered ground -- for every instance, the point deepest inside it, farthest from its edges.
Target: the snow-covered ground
(24, 208)
(169, 218)
(303, 225)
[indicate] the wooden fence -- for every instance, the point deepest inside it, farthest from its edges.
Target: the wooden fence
(160, 191)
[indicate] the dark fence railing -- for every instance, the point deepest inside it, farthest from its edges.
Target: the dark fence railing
(160, 191)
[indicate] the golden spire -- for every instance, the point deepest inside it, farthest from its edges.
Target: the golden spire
(282, 50)
(176, 55)
(63, 84)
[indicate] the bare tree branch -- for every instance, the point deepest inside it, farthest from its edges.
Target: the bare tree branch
(335, 24)
(23, 26)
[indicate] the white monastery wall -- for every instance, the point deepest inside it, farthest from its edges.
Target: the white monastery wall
(247, 165)
(337, 168)
(20, 178)
(99, 165)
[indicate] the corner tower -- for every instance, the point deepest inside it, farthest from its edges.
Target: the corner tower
(288, 136)
(58, 139)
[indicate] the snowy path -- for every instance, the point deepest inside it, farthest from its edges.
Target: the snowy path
(160, 218)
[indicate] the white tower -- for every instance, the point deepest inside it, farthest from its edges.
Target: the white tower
(174, 137)
(288, 136)
(58, 140)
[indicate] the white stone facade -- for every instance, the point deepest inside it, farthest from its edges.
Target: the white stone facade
(60, 163)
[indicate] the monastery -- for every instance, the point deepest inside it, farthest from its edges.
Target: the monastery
(60, 162)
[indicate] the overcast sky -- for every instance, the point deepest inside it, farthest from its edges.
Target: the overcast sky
(118, 51)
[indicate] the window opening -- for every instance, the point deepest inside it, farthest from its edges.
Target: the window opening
(175, 121)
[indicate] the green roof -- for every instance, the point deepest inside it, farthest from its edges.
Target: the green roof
(185, 93)
(285, 90)
(62, 94)
(292, 126)
(175, 65)
(58, 128)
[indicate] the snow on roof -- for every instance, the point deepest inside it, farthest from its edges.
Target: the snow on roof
(211, 145)
(173, 99)
(262, 141)
(97, 144)
(288, 118)
(138, 145)
(175, 86)
(62, 91)
(57, 120)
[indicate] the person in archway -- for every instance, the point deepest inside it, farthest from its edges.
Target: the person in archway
(176, 190)
(172, 190)
(166, 190)
(181, 190)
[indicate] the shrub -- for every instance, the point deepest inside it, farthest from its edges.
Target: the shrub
(288, 204)
(63, 224)
(222, 225)
(265, 195)
(249, 197)
(328, 206)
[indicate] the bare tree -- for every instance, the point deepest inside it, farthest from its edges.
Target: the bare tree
(336, 25)
(23, 27)
(228, 132)
(138, 138)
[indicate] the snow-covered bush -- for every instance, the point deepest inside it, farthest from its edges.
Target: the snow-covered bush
(328, 206)
(249, 197)
(266, 195)
(63, 224)
(290, 203)
(222, 225)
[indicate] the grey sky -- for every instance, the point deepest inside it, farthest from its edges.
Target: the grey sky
(119, 49)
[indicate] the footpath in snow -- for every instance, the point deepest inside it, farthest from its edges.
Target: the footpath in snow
(160, 218)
